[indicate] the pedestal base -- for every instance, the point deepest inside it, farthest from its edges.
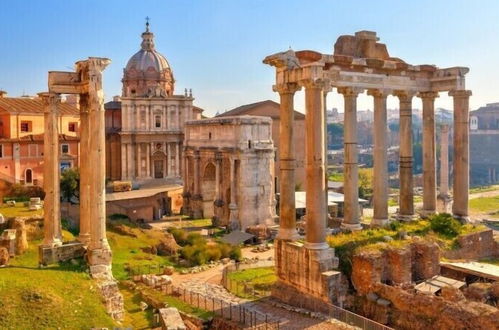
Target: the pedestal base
(406, 217)
(462, 218)
(351, 227)
(379, 222)
(287, 234)
(444, 203)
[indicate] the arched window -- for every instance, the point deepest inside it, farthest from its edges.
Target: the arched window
(28, 176)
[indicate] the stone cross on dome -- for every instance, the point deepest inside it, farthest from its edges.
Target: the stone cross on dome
(147, 23)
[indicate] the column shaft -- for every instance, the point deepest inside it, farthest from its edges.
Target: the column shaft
(444, 160)
(351, 219)
(380, 191)
(51, 169)
(315, 166)
(406, 200)
(287, 208)
(233, 209)
(177, 159)
(429, 154)
(124, 164)
(85, 170)
(461, 154)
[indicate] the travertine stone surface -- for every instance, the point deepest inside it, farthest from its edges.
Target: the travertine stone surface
(51, 169)
(429, 154)
(444, 199)
(461, 177)
(351, 219)
(85, 170)
(243, 148)
(380, 180)
(406, 199)
(287, 207)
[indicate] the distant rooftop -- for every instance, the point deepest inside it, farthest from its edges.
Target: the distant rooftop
(244, 109)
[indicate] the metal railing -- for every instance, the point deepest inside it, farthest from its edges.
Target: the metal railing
(239, 313)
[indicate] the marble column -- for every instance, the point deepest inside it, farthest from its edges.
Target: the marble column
(406, 199)
(197, 198)
(233, 209)
(315, 166)
(139, 160)
(148, 160)
(124, 165)
(443, 197)
(85, 171)
(99, 252)
(325, 91)
(287, 210)
(461, 154)
(51, 171)
(170, 160)
(429, 154)
(177, 159)
(380, 180)
(351, 219)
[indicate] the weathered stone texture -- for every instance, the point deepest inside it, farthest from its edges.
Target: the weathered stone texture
(367, 269)
(475, 246)
(54, 254)
(425, 260)
(4, 256)
(112, 298)
(419, 311)
(170, 319)
(21, 237)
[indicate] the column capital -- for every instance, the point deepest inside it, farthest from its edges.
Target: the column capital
(286, 88)
(349, 91)
(315, 83)
(404, 96)
(431, 95)
(98, 64)
(460, 93)
(381, 93)
(49, 99)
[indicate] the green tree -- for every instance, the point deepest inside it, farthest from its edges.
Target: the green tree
(70, 183)
(365, 182)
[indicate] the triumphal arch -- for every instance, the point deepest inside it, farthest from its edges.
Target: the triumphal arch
(359, 63)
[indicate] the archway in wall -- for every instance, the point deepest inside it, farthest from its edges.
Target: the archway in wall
(28, 176)
(159, 163)
(208, 190)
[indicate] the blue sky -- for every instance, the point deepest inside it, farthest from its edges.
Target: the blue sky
(216, 47)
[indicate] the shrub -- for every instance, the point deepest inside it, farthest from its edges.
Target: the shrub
(195, 239)
(445, 225)
(236, 254)
(180, 235)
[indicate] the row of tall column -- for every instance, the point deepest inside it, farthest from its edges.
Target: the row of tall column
(132, 155)
(316, 185)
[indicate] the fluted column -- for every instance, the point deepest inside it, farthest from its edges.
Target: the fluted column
(124, 164)
(315, 166)
(139, 160)
(406, 199)
(51, 168)
(85, 171)
(380, 180)
(233, 208)
(429, 154)
(99, 252)
(287, 207)
(351, 219)
(177, 159)
(461, 154)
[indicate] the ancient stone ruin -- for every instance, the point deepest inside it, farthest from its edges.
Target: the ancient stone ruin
(86, 83)
(358, 63)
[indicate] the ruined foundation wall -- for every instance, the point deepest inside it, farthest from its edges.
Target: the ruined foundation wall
(475, 246)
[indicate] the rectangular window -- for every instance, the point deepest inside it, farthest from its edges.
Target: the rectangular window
(157, 121)
(65, 148)
(72, 127)
(26, 126)
(32, 150)
(1, 150)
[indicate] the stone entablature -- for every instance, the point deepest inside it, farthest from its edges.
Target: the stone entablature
(228, 171)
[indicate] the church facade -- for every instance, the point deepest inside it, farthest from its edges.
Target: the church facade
(146, 141)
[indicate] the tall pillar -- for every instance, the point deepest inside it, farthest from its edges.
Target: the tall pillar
(99, 252)
(443, 197)
(429, 164)
(461, 154)
(287, 209)
(315, 166)
(85, 171)
(351, 219)
(196, 198)
(148, 160)
(177, 159)
(139, 160)
(325, 91)
(406, 199)
(124, 165)
(51, 170)
(233, 209)
(380, 191)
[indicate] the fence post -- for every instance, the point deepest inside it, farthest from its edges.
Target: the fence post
(230, 311)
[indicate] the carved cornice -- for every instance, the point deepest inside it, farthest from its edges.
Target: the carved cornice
(317, 83)
(51, 101)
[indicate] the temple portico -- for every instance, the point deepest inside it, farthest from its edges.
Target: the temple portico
(359, 63)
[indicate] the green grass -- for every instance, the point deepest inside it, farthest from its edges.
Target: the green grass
(247, 281)
(19, 211)
(192, 223)
(480, 189)
(492, 261)
(59, 296)
(135, 317)
(488, 205)
(336, 177)
(128, 250)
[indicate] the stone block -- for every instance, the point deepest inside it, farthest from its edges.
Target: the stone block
(170, 319)
(4, 256)
(51, 255)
